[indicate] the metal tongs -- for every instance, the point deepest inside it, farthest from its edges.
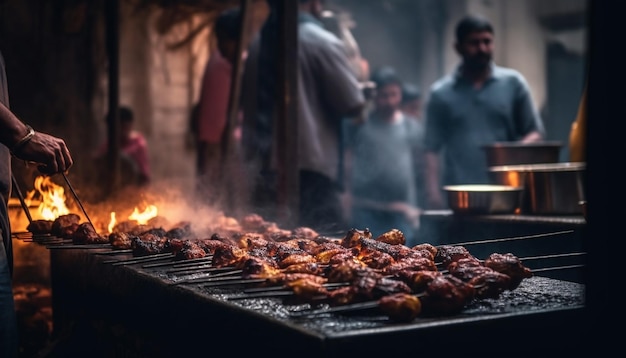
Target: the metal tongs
(67, 181)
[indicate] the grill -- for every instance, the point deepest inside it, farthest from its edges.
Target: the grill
(115, 304)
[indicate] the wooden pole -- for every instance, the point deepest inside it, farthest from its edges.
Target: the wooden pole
(287, 114)
(112, 15)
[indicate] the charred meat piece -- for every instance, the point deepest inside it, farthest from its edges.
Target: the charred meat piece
(190, 250)
(345, 271)
(256, 267)
(286, 278)
(426, 246)
(40, 227)
(392, 237)
(353, 237)
(120, 240)
(375, 259)
(446, 254)
(86, 234)
(411, 264)
(417, 280)
(209, 245)
(510, 265)
(490, 284)
(149, 244)
(446, 294)
(467, 268)
(65, 225)
(400, 307)
(232, 256)
(307, 289)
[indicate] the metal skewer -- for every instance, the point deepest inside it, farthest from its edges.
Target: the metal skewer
(22, 201)
(77, 199)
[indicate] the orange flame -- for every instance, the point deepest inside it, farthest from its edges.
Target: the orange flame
(52, 198)
(112, 223)
(143, 217)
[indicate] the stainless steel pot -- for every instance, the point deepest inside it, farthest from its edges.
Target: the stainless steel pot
(549, 188)
(516, 153)
(483, 199)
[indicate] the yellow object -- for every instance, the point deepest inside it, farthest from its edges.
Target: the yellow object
(578, 132)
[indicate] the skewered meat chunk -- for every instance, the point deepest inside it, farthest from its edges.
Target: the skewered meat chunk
(367, 285)
(65, 225)
(446, 294)
(490, 284)
(376, 259)
(40, 227)
(120, 240)
(209, 245)
(426, 246)
(285, 278)
(412, 264)
(446, 254)
(306, 288)
(510, 265)
(417, 280)
(392, 237)
(345, 271)
(400, 307)
(256, 267)
(189, 250)
(149, 244)
(353, 237)
(86, 234)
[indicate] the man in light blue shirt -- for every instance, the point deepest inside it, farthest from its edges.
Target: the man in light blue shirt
(479, 104)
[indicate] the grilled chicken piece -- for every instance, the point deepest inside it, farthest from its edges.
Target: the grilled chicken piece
(510, 265)
(40, 227)
(345, 271)
(64, 226)
(417, 280)
(490, 284)
(426, 246)
(411, 264)
(446, 294)
(120, 240)
(286, 278)
(400, 307)
(256, 267)
(446, 254)
(353, 237)
(210, 245)
(367, 285)
(375, 259)
(305, 288)
(392, 237)
(150, 244)
(189, 250)
(86, 234)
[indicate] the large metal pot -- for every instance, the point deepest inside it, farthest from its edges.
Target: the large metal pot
(515, 153)
(549, 188)
(483, 199)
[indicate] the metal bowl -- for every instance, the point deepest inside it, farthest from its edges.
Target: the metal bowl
(514, 153)
(484, 199)
(549, 189)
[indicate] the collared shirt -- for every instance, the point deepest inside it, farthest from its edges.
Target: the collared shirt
(460, 119)
(214, 97)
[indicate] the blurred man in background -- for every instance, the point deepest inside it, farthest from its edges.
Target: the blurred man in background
(479, 104)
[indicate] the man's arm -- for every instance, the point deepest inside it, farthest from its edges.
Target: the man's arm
(50, 152)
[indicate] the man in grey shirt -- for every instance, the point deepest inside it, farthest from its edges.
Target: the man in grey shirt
(479, 104)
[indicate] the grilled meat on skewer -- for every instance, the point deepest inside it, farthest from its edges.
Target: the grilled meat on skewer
(392, 237)
(411, 264)
(86, 234)
(400, 307)
(120, 240)
(446, 254)
(40, 227)
(510, 265)
(189, 250)
(417, 280)
(65, 225)
(446, 294)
